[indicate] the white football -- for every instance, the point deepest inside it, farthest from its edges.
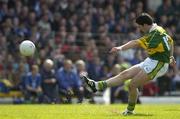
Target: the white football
(27, 48)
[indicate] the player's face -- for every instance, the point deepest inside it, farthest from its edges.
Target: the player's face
(141, 28)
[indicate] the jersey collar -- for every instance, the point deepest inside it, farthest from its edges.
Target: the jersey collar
(153, 27)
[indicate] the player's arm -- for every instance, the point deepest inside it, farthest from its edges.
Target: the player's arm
(172, 59)
(171, 49)
(128, 45)
(141, 42)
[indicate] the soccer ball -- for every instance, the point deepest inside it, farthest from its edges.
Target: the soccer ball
(27, 48)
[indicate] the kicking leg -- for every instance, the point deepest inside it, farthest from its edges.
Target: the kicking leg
(114, 81)
(122, 76)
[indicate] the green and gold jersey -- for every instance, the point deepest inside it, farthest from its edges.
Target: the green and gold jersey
(157, 43)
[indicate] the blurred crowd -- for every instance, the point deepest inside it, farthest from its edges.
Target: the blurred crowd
(74, 36)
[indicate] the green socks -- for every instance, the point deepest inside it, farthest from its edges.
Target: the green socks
(131, 106)
(101, 85)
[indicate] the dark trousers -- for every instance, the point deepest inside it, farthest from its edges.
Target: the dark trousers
(77, 93)
(33, 97)
(50, 94)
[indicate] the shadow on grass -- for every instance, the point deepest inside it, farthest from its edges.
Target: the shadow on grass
(136, 114)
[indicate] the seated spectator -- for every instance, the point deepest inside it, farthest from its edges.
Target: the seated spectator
(69, 82)
(5, 86)
(95, 69)
(175, 82)
(33, 85)
(22, 73)
(49, 82)
(81, 68)
(165, 82)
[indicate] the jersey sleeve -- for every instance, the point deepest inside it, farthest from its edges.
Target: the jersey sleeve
(143, 41)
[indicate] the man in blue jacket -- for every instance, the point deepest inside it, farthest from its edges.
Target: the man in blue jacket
(69, 82)
(33, 85)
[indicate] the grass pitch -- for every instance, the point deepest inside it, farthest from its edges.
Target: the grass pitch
(85, 111)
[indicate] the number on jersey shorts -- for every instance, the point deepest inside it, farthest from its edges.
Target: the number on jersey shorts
(154, 68)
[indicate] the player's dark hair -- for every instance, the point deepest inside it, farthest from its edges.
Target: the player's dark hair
(144, 18)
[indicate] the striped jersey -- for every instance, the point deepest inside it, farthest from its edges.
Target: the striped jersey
(157, 43)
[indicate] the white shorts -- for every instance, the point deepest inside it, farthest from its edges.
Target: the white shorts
(154, 68)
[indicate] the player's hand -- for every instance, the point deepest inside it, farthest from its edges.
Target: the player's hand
(172, 61)
(114, 49)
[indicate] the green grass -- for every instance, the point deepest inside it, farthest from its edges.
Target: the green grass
(85, 111)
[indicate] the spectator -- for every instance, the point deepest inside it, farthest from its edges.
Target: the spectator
(95, 69)
(69, 83)
(49, 82)
(175, 83)
(109, 62)
(81, 68)
(33, 85)
(165, 82)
